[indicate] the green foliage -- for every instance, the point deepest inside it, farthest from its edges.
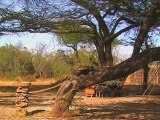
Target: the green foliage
(80, 35)
(62, 65)
(15, 61)
(42, 66)
(74, 38)
(116, 42)
(61, 69)
(66, 64)
(88, 58)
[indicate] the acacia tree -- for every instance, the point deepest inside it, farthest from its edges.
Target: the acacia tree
(72, 40)
(82, 13)
(103, 19)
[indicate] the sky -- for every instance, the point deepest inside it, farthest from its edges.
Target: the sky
(31, 40)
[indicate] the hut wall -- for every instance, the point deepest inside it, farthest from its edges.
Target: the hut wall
(137, 77)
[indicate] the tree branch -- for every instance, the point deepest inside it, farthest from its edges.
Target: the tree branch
(123, 69)
(122, 31)
(132, 22)
(115, 26)
(96, 14)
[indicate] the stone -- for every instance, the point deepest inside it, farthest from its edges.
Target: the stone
(21, 95)
(22, 105)
(22, 90)
(21, 99)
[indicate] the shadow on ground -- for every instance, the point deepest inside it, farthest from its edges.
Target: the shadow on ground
(35, 112)
(132, 111)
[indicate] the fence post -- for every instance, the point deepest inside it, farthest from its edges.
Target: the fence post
(21, 102)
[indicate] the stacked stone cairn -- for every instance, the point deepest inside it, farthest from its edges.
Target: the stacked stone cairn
(22, 98)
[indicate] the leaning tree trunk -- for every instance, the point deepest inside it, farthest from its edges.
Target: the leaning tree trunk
(70, 86)
(145, 77)
(64, 97)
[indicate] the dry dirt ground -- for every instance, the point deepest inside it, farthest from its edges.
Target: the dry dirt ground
(130, 108)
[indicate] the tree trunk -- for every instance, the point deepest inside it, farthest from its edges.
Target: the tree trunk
(145, 77)
(64, 97)
(105, 55)
(108, 55)
(100, 51)
(147, 23)
(70, 86)
(102, 58)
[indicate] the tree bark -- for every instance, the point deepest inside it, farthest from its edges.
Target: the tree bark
(64, 97)
(147, 22)
(108, 55)
(104, 53)
(101, 56)
(70, 86)
(105, 56)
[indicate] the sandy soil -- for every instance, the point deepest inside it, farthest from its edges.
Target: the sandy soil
(130, 108)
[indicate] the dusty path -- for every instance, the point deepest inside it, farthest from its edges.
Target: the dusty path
(124, 108)
(130, 108)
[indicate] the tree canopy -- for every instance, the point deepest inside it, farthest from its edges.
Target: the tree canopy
(103, 21)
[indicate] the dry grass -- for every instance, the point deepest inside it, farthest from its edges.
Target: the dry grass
(43, 81)
(5, 94)
(36, 82)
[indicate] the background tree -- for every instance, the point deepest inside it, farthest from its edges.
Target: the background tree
(41, 62)
(15, 61)
(73, 40)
